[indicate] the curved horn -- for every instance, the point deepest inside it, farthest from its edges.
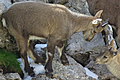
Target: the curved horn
(105, 22)
(110, 49)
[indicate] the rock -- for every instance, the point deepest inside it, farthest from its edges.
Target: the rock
(12, 76)
(107, 76)
(72, 72)
(81, 50)
(97, 68)
(4, 5)
(2, 77)
(79, 6)
(59, 1)
(6, 40)
(9, 76)
(31, 0)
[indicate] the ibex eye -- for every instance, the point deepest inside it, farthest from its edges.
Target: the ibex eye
(94, 31)
(105, 57)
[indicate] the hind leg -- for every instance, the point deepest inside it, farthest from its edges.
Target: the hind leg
(50, 55)
(33, 55)
(62, 56)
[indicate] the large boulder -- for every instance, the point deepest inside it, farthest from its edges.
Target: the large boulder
(9, 76)
(79, 6)
(81, 50)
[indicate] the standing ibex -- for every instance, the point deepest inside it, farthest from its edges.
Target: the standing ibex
(110, 56)
(30, 20)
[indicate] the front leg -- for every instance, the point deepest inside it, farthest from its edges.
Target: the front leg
(62, 56)
(50, 55)
(48, 66)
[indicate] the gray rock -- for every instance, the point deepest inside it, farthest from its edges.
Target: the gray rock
(2, 77)
(9, 76)
(59, 1)
(31, 0)
(83, 51)
(79, 6)
(4, 5)
(72, 72)
(12, 76)
(6, 40)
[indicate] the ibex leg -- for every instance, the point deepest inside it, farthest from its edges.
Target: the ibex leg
(62, 56)
(33, 55)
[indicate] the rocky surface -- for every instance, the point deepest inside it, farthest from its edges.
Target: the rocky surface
(74, 71)
(6, 40)
(81, 50)
(9, 76)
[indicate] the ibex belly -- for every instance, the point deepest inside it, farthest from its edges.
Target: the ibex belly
(35, 37)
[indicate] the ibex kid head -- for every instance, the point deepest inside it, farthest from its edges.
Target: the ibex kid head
(107, 54)
(97, 27)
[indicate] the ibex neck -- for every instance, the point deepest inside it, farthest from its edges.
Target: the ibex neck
(80, 22)
(114, 67)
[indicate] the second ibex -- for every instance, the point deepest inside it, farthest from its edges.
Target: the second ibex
(27, 21)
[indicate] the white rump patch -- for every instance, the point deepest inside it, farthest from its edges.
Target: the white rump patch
(4, 22)
(96, 21)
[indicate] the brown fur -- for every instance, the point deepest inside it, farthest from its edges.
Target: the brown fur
(50, 21)
(111, 10)
(110, 56)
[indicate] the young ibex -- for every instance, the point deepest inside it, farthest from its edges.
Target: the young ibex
(30, 20)
(110, 56)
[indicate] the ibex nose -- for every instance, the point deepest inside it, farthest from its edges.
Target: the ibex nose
(94, 59)
(87, 39)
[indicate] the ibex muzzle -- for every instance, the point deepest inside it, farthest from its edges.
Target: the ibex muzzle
(27, 21)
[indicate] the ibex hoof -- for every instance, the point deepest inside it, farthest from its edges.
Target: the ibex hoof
(65, 62)
(32, 74)
(49, 74)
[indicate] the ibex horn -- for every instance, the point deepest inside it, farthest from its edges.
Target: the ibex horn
(110, 48)
(105, 23)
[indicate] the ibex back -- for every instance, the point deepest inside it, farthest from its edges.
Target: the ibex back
(110, 56)
(30, 20)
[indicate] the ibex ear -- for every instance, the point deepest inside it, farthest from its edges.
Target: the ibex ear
(112, 42)
(98, 14)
